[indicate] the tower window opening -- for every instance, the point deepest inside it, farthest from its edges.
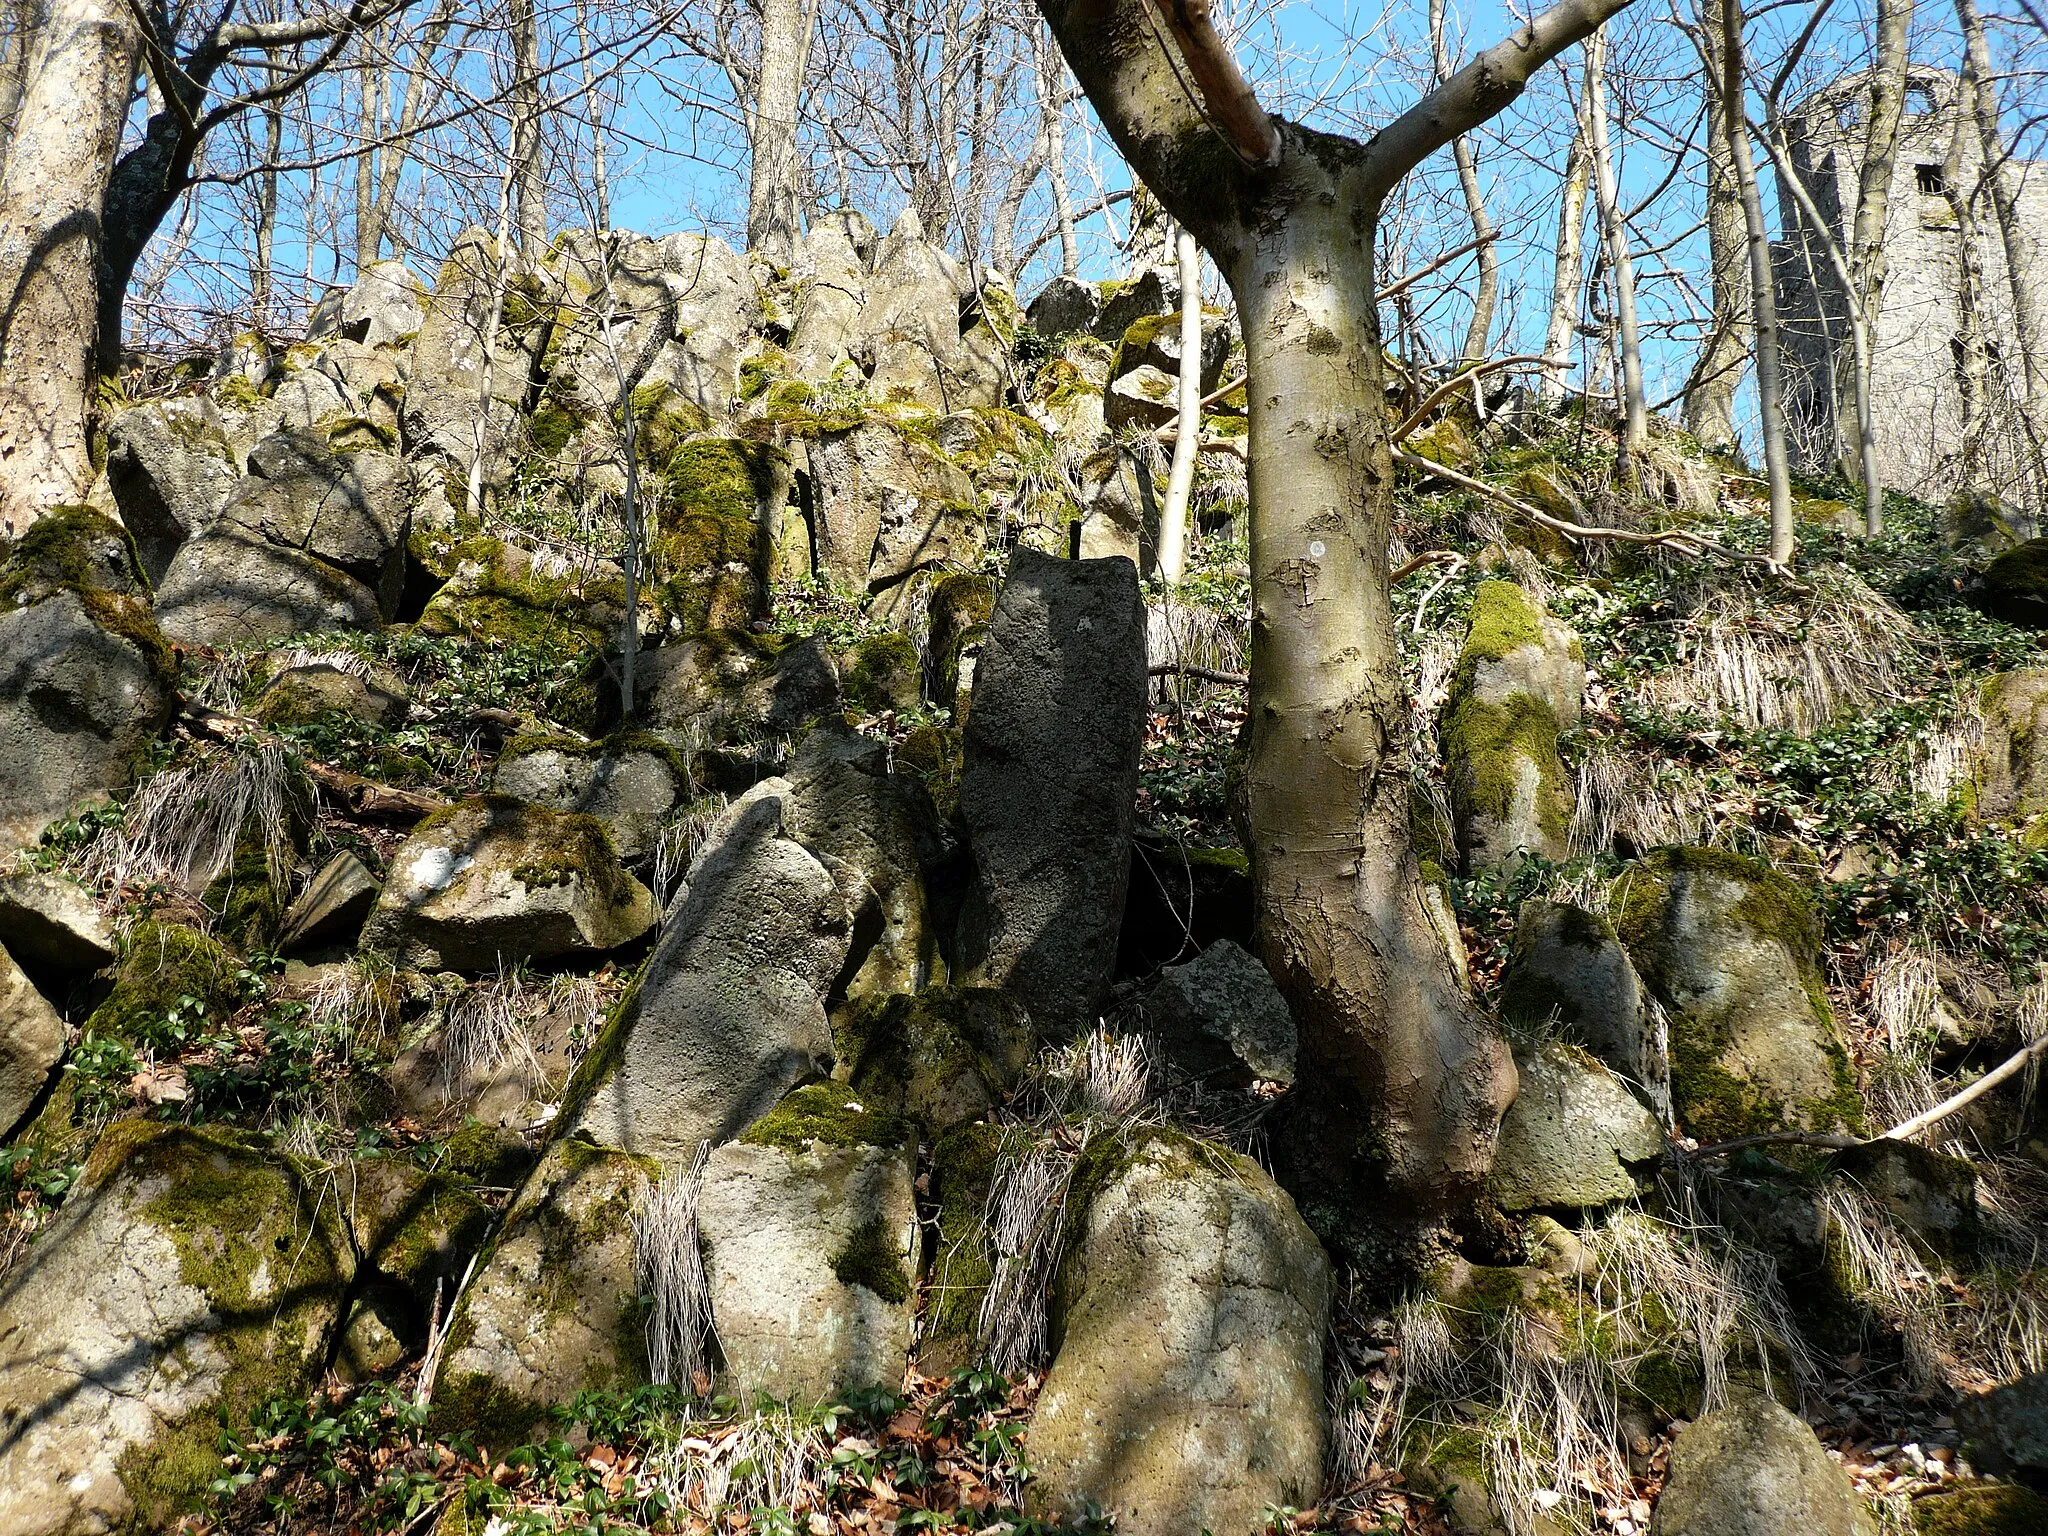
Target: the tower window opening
(1929, 178)
(1919, 100)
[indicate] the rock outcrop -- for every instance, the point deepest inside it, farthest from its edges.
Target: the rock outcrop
(1221, 1017)
(1752, 1469)
(1569, 970)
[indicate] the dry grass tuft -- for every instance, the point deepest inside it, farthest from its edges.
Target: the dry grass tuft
(669, 1263)
(183, 824)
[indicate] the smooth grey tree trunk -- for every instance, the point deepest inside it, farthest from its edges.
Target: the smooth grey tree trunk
(1717, 376)
(1180, 478)
(773, 216)
(1486, 294)
(1568, 269)
(1635, 418)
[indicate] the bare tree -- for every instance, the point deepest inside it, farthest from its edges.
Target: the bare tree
(1180, 478)
(1717, 375)
(1635, 422)
(1568, 265)
(1487, 294)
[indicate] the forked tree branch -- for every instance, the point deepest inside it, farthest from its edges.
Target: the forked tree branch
(1232, 105)
(1479, 91)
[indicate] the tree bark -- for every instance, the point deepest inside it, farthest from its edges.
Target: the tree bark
(1763, 299)
(1180, 479)
(1568, 270)
(1717, 376)
(773, 217)
(73, 100)
(1486, 295)
(529, 184)
(1405, 1080)
(1973, 370)
(1635, 420)
(2026, 313)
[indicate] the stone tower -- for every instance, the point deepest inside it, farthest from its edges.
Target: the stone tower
(1919, 357)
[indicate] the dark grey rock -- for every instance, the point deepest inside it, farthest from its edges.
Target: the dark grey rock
(1048, 788)
(2005, 1430)
(631, 792)
(1569, 970)
(333, 906)
(171, 471)
(1221, 1015)
(53, 926)
(1064, 304)
(229, 587)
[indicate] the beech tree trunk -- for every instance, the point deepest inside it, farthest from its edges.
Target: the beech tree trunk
(529, 184)
(1404, 1079)
(1635, 412)
(1716, 378)
(74, 96)
(774, 219)
(1568, 270)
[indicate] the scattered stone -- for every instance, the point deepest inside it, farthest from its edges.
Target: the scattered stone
(1142, 399)
(1149, 291)
(2010, 777)
(191, 1275)
(2005, 1430)
(493, 881)
(1569, 970)
(729, 1014)
(1222, 1018)
(349, 510)
(810, 1234)
(439, 1081)
(1187, 1391)
(554, 1308)
(729, 683)
(1048, 792)
(1155, 342)
(1065, 304)
(52, 926)
(1574, 1135)
(1978, 523)
(2015, 585)
(31, 1043)
(1927, 1194)
(630, 785)
(1520, 680)
(303, 695)
(332, 908)
(1753, 1469)
(944, 1057)
(1732, 950)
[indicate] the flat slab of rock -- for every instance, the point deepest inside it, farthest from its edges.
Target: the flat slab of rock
(2005, 1430)
(53, 926)
(1187, 1393)
(494, 879)
(1048, 786)
(31, 1042)
(1570, 970)
(730, 1013)
(810, 1235)
(1753, 1469)
(189, 1274)
(1221, 1015)
(630, 790)
(333, 907)
(1573, 1136)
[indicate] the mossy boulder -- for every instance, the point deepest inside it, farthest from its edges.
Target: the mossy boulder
(327, 691)
(882, 673)
(1978, 523)
(171, 470)
(2010, 776)
(720, 520)
(1981, 1509)
(1731, 949)
(166, 969)
(1752, 1468)
(943, 1057)
(554, 1308)
(2014, 587)
(1221, 1018)
(499, 593)
(191, 1276)
(810, 1235)
(1186, 1391)
(958, 606)
(248, 898)
(965, 1163)
(630, 782)
(86, 678)
(730, 686)
(493, 880)
(1574, 1137)
(1154, 340)
(1519, 683)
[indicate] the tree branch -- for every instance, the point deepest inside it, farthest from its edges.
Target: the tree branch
(1227, 95)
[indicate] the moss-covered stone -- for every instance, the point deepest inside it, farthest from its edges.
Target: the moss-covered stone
(933, 754)
(964, 1163)
(2015, 585)
(711, 548)
(882, 672)
(873, 1258)
(247, 905)
(827, 1114)
(162, 966)
(944, 1056)
(81, 551)
(1981, 1509)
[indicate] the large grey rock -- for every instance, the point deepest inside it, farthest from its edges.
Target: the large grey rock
(845, 805)
(2011, 773)
(1220, 1015)
(332, 908)
(713, 686)
(446, 411)
(886, 504)
(1569, 969)
(231, 587)
(53, 926)
(385, 304)
(1187, 1391)
(310, 400)
(1732, 950)
(349, 510)
(1574, 1135)
(31, 1042)
(1048, 789)
(440, 1080)
(1520, 681)
(1144, 398)
(729, 1014)
(624, 315)
(1753, 1469)
(85, 685)
(1065, 304)
(717, 308)
(171, 470)
(554, 1308)
(832, 263)
(190, 1275)
(1147, 291)
(2005, 1430)
(493, 881)
(810, 1236)
(910, 326)
(630, 790)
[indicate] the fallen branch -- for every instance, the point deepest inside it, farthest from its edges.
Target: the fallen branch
(1916, 1126)
(354, 793)
(1202, 674)
(1422, 562)
(1670, 538)
(1458, 381)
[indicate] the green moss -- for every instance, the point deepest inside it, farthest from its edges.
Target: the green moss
(551, 428)
(1486, 746)
(163, 964)
(1981, 1509)
(69, 548)
(964, 1165)
(248, 908)
(871, 1258)
(1504, 619)
(488, 1155)
(882, 672)
(943, 1055)
(934, 755)
(2016, 584)
(828, 1114)
(237, 393)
